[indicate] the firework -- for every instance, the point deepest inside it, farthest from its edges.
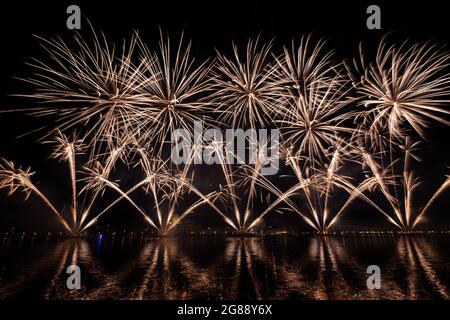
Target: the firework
(245, 93)
(315, 120)
(319, 188)
(126, 101)
(315, 111)
(398, 189)
(165, 187)
(177, 96)
(303, 66)
(129, 91)
(245, 96)
(14, 178)
(313, 123)
(444, 186)
(90, 84)
(404, 88)
(245, 183)
(65, 149)
(301, 93)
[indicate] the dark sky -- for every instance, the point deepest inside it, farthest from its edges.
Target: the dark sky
(210, 24)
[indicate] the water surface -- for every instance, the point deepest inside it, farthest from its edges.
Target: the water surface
(301, 267)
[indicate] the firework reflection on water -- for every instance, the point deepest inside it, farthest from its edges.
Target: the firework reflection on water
(228, 268)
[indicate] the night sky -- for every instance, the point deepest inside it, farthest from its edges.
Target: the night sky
(211, 25)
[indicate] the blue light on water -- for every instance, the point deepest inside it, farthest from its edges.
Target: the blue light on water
(99, 241)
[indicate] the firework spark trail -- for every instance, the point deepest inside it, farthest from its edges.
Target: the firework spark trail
(317, 189)
(247, 179)
(314, 122)
(103, 182)
(405, 86)
(164, 187)
(439, 191)
(177, 95)
(282, 197)
(245, 93)
(400, 201)
(403, 90)
(308, 99)
(379, 178)
(90, 82)
(382, 182)
(302, 66)
(314, 119)
(316, 102)
(155, 176)
(65, 150)
(135, 94)
(16, 178)
(229, 192)
(118, 153)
